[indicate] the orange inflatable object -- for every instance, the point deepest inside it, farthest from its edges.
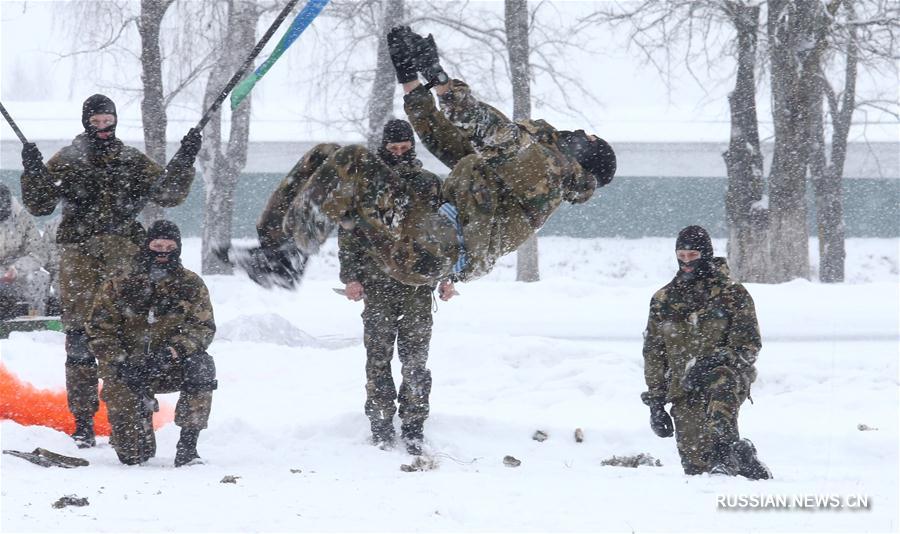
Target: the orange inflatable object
(27, 405)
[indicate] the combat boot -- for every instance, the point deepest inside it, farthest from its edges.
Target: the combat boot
(186, 449)
(413, 438)
(383, 434)
(84, 432)
(722, 461)
(749, 465)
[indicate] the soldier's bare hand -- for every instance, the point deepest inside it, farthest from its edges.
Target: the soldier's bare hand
(354, 291)
(446, 290)
(10, 275)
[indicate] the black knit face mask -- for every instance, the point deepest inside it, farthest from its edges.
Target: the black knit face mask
(392, 160)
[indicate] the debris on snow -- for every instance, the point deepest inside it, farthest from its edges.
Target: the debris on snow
(865, 428)
(420, 463)
(632, 461)
(229, 479)
(539, 435)
(45, 458)
(511, 461)
(296, 471)
(70, 500)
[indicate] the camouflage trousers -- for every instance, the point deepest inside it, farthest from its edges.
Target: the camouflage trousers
(131, 408)
(707, 422)
(82, 269)
(402, 314)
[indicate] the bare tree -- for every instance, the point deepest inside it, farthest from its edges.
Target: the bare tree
(516, 22)
(221, 166)
(153, 110)
(745, 210)
(381, 99)
(871, 32)
(768, 236)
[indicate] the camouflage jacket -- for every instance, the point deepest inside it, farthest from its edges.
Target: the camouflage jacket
(355, 251)
(697, 319)
(524, 154)
(102, 194)
(133, 318)
(527, 175)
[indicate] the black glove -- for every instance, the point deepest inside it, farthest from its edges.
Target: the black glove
(697, 375)
(32, 159)
(399, 40)
(425, 57)
(190, 147)
(660, 421)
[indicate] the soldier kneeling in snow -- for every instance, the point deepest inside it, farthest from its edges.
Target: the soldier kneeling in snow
(150, 330)
(700, 348)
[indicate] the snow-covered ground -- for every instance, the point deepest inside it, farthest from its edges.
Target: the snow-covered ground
(507, 359)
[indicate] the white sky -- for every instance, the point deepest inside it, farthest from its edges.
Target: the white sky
(44, 92)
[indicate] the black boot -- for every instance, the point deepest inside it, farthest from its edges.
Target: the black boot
(413, 438)
(749, 465)
(722, 461)
(383, 434)
(186, 449)
(84, 432)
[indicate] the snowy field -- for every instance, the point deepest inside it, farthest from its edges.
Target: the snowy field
(507, 359)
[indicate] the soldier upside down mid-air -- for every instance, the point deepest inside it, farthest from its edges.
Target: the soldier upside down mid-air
(507, 179)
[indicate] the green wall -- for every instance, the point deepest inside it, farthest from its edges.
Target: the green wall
(629, 207)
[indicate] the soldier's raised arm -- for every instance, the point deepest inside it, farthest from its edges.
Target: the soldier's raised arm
(40, 190)
(174, 182)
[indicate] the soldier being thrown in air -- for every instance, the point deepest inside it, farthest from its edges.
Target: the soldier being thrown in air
(507, 179)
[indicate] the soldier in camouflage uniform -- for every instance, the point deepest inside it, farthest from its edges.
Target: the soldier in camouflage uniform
(394, 312)
(150, 330)
(507, 179)
(102, 185)
(700, 347)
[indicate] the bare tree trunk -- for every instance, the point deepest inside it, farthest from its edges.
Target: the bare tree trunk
(153, 108)
(221, 169)
(516, 20)
(827, 177)
(381, 100)
(745, 209)
(797, 41)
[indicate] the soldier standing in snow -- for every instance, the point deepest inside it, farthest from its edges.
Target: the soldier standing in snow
(700, 347)
(150, 330)
(21, 259)
(394, 311)
(102, 185)
(508, 178)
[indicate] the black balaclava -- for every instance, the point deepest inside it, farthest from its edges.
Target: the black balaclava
(161, 229)
(594, 156)
(695, 238)
(397, 131)
(97, 105)
(5, 203)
